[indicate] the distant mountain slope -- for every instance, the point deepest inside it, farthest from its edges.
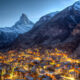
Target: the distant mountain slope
(57, 32)
(8, 34)
(44, 19)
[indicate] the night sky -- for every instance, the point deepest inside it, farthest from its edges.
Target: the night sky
(11, 10)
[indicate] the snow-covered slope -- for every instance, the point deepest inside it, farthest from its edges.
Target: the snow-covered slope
(8, 34)
(48, 16)
(44, 19)
(76, 5)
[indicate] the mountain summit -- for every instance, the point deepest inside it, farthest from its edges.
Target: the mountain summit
(24, 19)
(9, 34)
(23, 25)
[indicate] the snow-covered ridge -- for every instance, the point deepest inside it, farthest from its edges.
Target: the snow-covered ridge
(76, 5)
(48, 16)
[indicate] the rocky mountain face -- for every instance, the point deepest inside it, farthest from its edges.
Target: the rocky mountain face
(72, 43)
(61, 31)
(9, 34)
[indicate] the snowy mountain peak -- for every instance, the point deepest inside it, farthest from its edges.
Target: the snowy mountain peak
(76, 5)
(24, 15)
(9, 34)
(22, 25)
(24, 19)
